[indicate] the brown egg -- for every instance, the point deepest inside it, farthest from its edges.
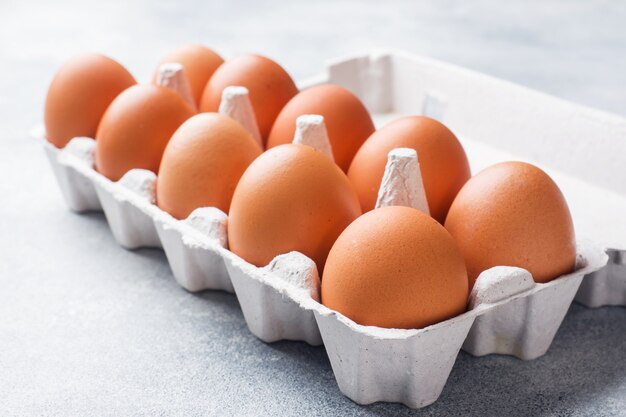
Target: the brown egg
(269, 85)
(513, 214)
(79, 94)
(395, 267)
(199, 63)
(347, 120)
(441, 158)
(291, 198)
(136, 127)
(202, 164)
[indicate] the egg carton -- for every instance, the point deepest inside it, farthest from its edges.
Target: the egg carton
(136, 222)
(509, 313)
(606, 287)
(581, 148)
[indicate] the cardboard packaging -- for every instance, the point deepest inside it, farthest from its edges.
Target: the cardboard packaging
(496, 121)
(508, 312)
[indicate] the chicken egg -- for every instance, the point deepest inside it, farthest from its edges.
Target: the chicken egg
(291, 198)
(79, 94)
(269, 85)
(395, 267)
(136, 127)
(513, 214)
(347, 120)
(442, 161)
(202, 164)
(199, 64)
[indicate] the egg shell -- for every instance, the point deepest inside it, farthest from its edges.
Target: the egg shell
(202, 164)
(199, 64)
(291, 198)
(269, 85)
(347, 120)
(441, 157)
(395, 267)
(136, 127)
(79, 94)
(513, 214)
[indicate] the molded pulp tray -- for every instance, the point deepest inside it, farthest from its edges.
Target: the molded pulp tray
(581, 148)
(509, 313)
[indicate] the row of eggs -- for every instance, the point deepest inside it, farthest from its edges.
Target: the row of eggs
(393, 267)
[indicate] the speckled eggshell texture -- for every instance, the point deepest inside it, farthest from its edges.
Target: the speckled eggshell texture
(202, 164)
(347, 120)
(513, 214)
(291, 198)
(442, 161)
(395, 267)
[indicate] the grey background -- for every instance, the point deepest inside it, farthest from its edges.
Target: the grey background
(88, 328)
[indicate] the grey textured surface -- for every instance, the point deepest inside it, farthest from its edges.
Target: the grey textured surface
(88, 328)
